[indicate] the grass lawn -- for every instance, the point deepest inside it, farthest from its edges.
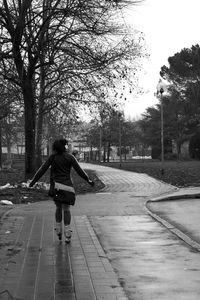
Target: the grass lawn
(178, 173)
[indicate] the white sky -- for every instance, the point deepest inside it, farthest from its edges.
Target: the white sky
(168, 26)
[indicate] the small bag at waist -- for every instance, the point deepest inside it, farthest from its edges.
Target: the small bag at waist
(64, 194)
(60, 186)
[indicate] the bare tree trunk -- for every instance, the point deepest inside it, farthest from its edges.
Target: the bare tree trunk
(38, 158)
(178, 145)
(0, 147)
(39, 132)
(29, 113)
(9, 155)
(29, 108)
(108, 152)
(104, 153)
(91, 153)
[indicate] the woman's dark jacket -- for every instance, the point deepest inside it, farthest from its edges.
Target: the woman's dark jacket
(60, 169)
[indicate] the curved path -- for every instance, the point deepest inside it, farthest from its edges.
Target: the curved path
(117, 180)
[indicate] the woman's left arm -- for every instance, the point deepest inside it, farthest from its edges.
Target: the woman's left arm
(80, 171)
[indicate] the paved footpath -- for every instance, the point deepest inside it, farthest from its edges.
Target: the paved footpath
(126, 261)
(36, 266)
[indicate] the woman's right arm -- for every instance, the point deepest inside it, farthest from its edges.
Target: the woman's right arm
(41, 170)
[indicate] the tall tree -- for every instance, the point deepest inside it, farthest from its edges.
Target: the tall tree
(184, 73)
(74, 43)
(177, 125)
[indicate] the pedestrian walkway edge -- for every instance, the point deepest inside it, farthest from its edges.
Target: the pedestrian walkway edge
(182, 193)
(181, 235)
(115, 291)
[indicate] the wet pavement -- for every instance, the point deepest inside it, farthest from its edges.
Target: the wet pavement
(181, 216)
(118, 251)
(151, 263)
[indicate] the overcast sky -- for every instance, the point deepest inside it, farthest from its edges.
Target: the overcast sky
(168, 27)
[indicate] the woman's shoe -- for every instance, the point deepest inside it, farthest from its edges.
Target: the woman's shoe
(68, 234)
(59, 230)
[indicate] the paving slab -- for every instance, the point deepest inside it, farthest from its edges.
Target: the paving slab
(34, 265)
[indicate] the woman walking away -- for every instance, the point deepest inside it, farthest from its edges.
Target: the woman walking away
(61, 186)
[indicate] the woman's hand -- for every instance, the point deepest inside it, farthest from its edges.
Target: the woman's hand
(31, 184)
(91, 182)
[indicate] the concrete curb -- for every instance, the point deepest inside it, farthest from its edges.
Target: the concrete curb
(175, 197)
(4, 214)
(180, 234)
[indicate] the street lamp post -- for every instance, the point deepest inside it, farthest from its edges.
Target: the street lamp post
(100, 141)
(120, 139)
(160, 90)
(162, 132)
(120, 143)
